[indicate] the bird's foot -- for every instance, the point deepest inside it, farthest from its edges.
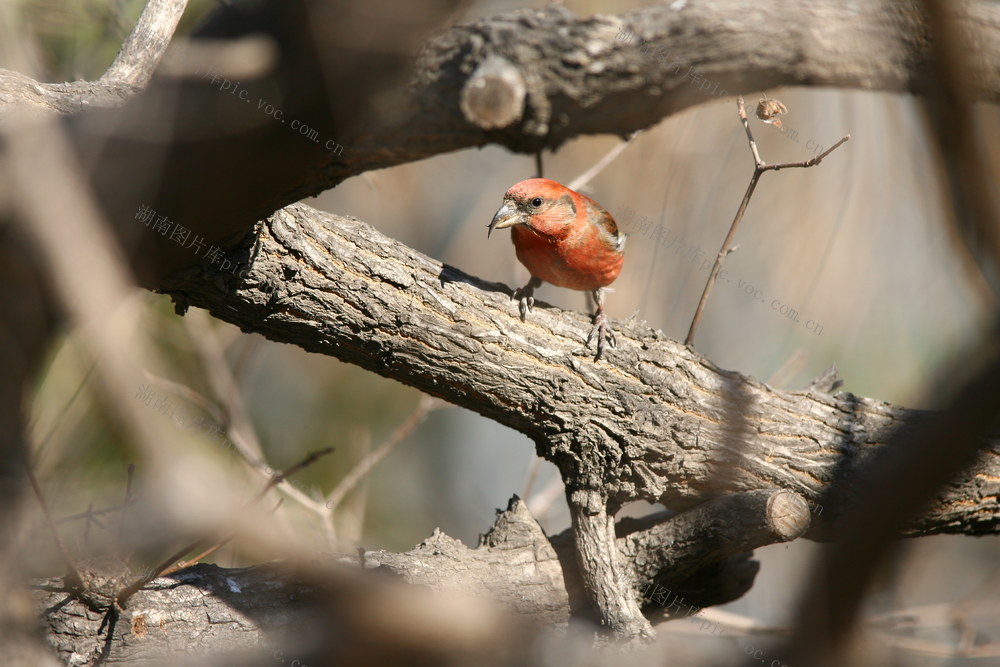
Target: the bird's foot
(525, 300)
(602, 327)
(526, 296)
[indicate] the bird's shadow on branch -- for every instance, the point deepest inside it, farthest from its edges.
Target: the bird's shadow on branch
(449, 274)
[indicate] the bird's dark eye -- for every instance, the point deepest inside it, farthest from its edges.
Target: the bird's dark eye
(536, 202)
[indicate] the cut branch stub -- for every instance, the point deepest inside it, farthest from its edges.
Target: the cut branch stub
(673, 550)
(493, 97)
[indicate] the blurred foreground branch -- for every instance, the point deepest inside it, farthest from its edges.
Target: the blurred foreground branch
(689, 561)
(658, 422)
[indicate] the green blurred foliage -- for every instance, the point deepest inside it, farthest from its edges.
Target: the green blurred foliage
(78, 39)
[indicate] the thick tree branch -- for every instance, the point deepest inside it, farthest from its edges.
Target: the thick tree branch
(603, 74)
(657, 421)
(128, 74)
(617, 74)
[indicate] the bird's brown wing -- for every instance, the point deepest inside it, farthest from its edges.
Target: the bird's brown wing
(606, 225)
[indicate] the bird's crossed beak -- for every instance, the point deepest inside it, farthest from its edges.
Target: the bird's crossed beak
(507, 216)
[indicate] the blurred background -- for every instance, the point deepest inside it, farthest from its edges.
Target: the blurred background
(856, 247)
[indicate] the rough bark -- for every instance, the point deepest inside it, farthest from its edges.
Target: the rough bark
(606, 578)
(616, 74)
(653, 421)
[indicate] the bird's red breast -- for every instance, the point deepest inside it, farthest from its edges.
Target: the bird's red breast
(561, 236)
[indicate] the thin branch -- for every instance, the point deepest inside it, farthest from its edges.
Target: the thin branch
(238, 425)
(187, 393)
(759, 168)
(90, 514)
(230, 412)
(364, 466)
(86, 526)
(281, 476)
(275, 480)
(127, 501)
(224, 386)
(181, 564)
(73, 572)
(40, 447)
(812, 162)
(584, 178)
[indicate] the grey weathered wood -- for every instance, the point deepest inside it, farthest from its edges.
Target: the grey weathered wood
(620, 73)
(140, 54)
(654, 420)
(607, 576)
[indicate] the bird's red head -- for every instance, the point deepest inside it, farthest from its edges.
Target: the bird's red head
(545, 206)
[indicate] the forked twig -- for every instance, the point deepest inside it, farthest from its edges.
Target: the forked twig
(759, 168)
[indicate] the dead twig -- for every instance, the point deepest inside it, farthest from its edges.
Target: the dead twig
(231, 410)
(71, 569)
(90, 514)
(759, 168)
(364, 466)
(125, 503)
(584, 178)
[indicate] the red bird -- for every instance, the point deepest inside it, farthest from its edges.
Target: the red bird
(564, 238)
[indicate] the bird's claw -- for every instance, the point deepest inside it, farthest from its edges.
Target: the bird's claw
(526, 296)
(602, 327)
(525, 301)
